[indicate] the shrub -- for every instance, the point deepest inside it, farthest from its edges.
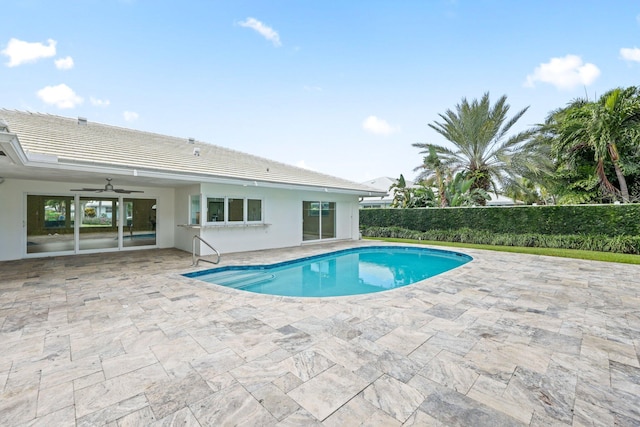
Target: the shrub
(602, 243)
(596, 220)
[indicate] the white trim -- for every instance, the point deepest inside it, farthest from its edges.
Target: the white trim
(226, 222)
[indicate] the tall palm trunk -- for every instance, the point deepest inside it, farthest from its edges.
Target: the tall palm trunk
(441, 192)
(613, 153)
(623, 183)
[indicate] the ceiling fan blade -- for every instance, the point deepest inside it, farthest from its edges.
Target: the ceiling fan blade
(122, 191)
(107, 188)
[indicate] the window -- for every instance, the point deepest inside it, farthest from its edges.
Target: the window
(254, 210)
(194, 209)
(233, 210)
(236, 210)
(215, 209)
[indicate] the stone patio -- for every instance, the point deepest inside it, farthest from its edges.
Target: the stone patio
(123, 339)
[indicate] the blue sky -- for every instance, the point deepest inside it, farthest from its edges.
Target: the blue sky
(340, 87)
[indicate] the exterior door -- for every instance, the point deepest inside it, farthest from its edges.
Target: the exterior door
(318, 220)
(74, 224)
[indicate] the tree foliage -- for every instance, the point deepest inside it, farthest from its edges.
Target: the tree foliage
(479, 133)
(586, 152)
(595, 145)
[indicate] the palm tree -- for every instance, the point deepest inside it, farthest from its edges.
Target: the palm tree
(478, 133)
(532, 171)
(434, 169)
(599, 128)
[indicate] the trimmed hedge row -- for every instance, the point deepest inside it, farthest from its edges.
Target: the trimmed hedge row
(619, 244)
(608, 220)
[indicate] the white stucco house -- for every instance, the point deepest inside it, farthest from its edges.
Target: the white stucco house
(71, 186)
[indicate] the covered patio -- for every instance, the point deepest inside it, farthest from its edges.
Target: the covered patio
(123, 339)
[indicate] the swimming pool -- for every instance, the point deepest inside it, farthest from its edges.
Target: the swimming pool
(346, 272)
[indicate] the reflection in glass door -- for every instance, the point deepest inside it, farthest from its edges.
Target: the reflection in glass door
(310, 223)
(98, 218)
(328, 220)
(140, 224)
(318, 220)
(72, 224)
(50, 224)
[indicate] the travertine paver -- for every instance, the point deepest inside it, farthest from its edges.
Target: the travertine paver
(123, 339)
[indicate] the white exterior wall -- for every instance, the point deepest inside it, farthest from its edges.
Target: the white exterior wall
(184, 235)
(13, 206)
(282, 215)
(281, 209)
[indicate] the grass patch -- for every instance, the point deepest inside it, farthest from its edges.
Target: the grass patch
(563, 253)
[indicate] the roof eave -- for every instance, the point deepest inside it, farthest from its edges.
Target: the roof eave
(185, 178)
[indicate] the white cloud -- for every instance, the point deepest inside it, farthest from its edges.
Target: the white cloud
(99, 102)
(64, 63)
(375, 125)
(564, 73)
(62, 96)
(630, 54)
(264, 30)
(130, 116)
(21, 52)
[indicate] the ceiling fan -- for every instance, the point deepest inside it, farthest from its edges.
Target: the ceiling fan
(107, 187)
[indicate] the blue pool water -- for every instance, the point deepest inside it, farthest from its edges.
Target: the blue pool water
(347, 272)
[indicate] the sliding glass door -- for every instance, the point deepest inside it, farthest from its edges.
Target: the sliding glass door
(98, 218)
(72, 224)
(50, 224)
(318, 220)
(140, 222)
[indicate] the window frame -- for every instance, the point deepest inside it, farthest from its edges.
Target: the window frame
(258, 221)
(227, 200)
(197, 215)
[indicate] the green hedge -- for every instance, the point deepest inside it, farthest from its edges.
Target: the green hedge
(608, 220)
(603, 243)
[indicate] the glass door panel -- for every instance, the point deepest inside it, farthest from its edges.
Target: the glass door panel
(139, 228)
(310, 220)
(318, 220)
(50, 224)
(98, 218)
(328, 219)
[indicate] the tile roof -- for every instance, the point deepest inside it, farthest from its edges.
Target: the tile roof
(94, 143)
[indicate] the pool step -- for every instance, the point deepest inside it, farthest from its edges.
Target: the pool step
(239, 279)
